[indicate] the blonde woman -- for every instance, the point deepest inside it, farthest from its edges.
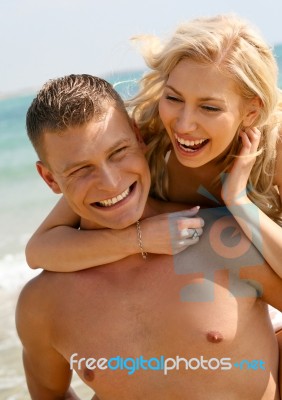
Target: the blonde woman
(210, 112)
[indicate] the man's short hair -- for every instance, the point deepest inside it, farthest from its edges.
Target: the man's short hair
(72, 100)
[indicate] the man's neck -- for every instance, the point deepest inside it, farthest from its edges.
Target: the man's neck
(155, 207)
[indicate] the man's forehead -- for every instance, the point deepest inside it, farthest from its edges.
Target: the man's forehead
(113, 123)
(91, 141)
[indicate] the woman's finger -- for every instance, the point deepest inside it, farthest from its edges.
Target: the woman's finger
(254, 136)
(191, 233)
(187, 223)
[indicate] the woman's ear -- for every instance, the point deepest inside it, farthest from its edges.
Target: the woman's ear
(48, 177)
(252, 111)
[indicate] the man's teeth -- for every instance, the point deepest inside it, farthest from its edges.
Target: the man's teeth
(189, 142)
(114, 200)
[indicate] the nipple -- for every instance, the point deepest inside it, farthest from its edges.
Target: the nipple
(214, 337)
(88, 374)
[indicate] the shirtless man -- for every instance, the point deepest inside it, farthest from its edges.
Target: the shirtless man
(195, 326)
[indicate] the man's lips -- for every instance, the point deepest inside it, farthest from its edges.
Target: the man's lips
(116, 199)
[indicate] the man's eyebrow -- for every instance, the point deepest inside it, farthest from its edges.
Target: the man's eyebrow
(71, 166)
(207, 98)
(121, 142)
(82, 163)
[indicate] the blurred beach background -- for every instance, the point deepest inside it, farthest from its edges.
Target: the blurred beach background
(25, 199)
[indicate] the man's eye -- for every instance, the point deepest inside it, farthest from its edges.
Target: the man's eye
(120, 150)
(80, 170)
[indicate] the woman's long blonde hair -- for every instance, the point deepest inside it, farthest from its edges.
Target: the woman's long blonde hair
(238, 51)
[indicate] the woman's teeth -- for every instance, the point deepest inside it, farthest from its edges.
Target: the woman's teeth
(191, 145)
(114, 200)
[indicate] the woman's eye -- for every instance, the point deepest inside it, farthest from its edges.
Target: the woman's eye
(172, 98)
(211, 108)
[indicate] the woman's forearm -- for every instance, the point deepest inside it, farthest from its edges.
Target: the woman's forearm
(66, 249)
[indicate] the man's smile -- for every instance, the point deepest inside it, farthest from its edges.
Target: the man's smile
(117, 199)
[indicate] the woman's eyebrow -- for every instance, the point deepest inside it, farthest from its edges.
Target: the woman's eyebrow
(206, 98)
(173, 89)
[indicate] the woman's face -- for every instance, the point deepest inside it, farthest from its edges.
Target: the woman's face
(201, 112)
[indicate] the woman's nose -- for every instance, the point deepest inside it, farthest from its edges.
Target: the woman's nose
(186, 121)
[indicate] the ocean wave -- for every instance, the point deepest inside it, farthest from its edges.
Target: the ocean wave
(14, 272)
(10, 382)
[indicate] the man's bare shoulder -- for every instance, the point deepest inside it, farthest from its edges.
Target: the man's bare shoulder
(33, 303)
(33, 288)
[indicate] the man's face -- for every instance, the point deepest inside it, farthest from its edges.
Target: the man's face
(101, 170)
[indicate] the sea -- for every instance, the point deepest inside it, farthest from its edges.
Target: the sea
(24, 201)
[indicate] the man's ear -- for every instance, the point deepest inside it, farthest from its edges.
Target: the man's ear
(253, 110)
(139, 137)
(47, 176)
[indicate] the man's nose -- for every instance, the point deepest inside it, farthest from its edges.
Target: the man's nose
(186, 121)
(109, 178)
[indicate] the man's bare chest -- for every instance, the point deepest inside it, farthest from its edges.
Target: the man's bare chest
(142, 312)
(128, 321)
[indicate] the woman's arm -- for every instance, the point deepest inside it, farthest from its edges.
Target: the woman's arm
(264, 233)
(58, 244)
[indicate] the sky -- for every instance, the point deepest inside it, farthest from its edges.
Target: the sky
(40, 40)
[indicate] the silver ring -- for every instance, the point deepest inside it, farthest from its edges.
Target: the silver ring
(189, 233)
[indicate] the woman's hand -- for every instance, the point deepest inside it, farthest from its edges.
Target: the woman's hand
(234, 188)
(171, 233)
